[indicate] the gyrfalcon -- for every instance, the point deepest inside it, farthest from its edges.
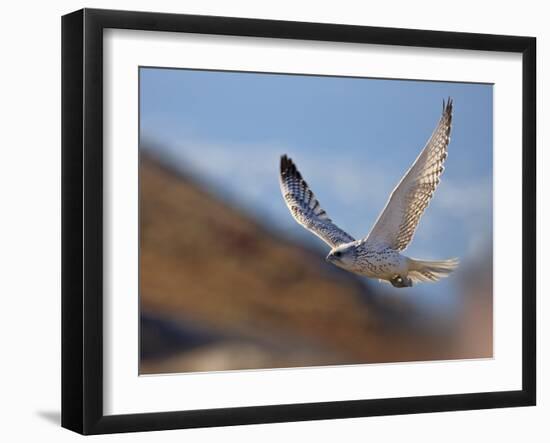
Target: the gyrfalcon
(378, 255)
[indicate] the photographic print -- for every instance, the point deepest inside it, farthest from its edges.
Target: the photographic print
(300, 220)
(289, 221)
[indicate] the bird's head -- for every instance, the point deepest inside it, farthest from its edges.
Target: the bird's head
(343, 256)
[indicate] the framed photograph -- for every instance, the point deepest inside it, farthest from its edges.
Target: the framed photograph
(269, 221)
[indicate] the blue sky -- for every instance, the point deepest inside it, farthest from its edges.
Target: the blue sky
(352, 139)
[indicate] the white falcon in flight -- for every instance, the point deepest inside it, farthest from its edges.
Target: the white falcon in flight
(378, 255)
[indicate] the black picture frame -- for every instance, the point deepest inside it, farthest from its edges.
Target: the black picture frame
(82, 220)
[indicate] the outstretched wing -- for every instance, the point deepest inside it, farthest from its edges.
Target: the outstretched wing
(305, 208)
(397, 223)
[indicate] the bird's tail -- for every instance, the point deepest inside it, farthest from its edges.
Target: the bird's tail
(424, 270)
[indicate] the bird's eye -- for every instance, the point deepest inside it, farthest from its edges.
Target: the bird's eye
(338, 254)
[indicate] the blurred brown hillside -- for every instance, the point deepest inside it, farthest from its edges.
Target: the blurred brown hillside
(220, 291)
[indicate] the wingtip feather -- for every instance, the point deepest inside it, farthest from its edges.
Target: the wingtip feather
(288, 167)
(448, 106)
(286, 164)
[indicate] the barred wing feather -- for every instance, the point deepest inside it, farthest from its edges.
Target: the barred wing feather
(398, 221)
(305, 207)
